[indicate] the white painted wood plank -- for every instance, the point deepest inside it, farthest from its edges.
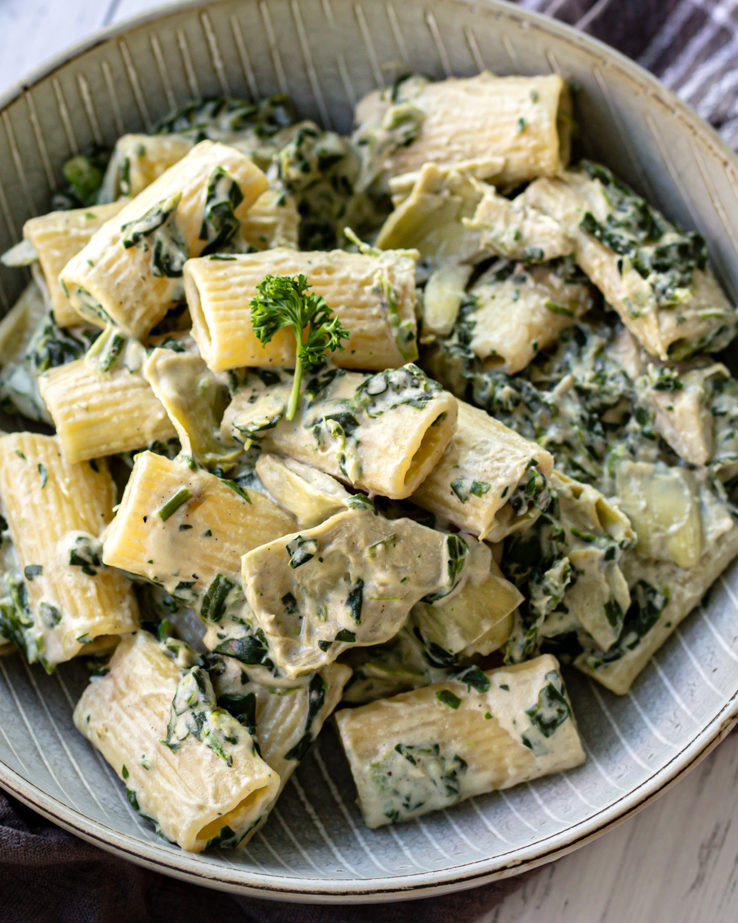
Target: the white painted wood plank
(33, 30)
(677, 860)
(124, 9)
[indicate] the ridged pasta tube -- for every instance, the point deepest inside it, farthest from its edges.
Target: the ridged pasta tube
(372, 296)
(655, 276)
(56, 238)
(129, 274)
(428, 749)
(284, 720)
(489, 481)
(55, 512)
(183, 528)
(381, 433)
(525, 120)
(200, 780)
(100, 409)
(138, 160)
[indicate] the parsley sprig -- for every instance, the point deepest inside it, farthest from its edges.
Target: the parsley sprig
(283, 301)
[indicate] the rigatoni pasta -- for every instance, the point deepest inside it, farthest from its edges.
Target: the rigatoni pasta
(186, 764)
(221, 522)
(129, 274)
(348, 422)
(102, 404)
(654, 276)
(56, 238)
(284, 720)
(431, 748)
(56, 512)
(373, 296)
(489, 481)
(524, 120)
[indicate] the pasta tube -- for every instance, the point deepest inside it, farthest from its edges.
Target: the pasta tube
(102, 404)
(138, 160)
(655, 276)
(21, 329)
(56, 238)
(129, 274)
(428, 749)
(55, 511)
(382, 432)
(372, 296)
(272, 221)
(284, 720)
(489, 481)
(663, 593)
(350, 581)
(184, 529)
(524, 120)
(187, 765)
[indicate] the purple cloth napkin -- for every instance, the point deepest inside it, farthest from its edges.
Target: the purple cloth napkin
(49, 874)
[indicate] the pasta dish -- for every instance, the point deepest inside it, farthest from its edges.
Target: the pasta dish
(386, 427)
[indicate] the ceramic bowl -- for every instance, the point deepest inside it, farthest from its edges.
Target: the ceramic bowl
(326, 54)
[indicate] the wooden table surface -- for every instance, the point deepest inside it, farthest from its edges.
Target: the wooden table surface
(677, 860)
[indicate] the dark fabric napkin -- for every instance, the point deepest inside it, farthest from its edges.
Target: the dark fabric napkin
(49, 874)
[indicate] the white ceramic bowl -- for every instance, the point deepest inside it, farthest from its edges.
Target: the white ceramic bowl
(326, 54)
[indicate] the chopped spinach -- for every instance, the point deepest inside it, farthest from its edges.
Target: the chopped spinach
(219, 222)
(301, 550)
(215, 599)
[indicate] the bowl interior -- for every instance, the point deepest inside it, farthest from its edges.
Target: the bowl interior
(326, 54)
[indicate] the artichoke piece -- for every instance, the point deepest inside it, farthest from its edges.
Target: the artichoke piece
(478, 618)
(663, 505)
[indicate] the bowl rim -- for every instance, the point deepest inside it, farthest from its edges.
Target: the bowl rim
(188, 866)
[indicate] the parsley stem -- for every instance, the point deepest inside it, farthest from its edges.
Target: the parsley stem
(296, 382)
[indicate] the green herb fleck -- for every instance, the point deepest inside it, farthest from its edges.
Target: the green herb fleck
(173, 503)
(446, 697)
(301, 550)
(355, 600)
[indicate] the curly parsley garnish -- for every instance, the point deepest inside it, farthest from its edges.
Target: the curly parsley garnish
(283, 301)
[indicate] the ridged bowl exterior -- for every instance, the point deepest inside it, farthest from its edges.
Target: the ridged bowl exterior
(326, 54)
